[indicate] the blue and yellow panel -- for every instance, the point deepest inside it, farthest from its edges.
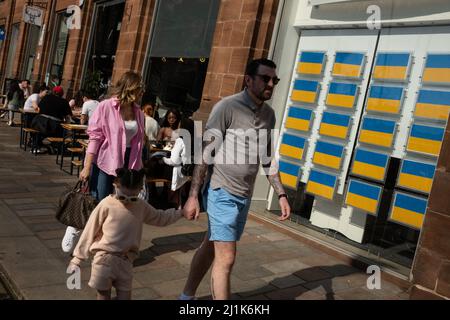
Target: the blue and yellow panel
(289, 173)
(292, 146)
(299, 119)
(425, 139)
(433, 104)
(305, 91)
(385, 99)
(378, 132)
(348, 64)
(416, 175)
(321, 184)
(437, 69)
(370, 164)
(328, 154)
(334, 125)
(341, 95)
(408, 210)
(391, 66)
(363, 195)
(311, 63)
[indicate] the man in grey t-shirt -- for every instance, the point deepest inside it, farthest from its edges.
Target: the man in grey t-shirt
(238, 133)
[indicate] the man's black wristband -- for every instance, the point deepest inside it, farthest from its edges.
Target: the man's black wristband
(283, 195)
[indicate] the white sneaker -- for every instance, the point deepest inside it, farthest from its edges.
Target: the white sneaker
(69, 239)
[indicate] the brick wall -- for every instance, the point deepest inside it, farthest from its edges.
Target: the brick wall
(243, 32)
(134, 37)
(431, 269)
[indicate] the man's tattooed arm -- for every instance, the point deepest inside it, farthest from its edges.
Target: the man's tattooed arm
(198, 176)
(197, 179)
(275, 181)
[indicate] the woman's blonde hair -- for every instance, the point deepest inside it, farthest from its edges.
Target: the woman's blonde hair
(128, 88)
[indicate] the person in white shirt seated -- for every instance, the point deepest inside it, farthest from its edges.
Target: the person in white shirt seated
(32, 102)
(25, 86)
(151, 125)
(180, 155)
(89, 106)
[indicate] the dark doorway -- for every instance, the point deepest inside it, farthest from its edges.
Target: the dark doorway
(103, 45)
(176, 83)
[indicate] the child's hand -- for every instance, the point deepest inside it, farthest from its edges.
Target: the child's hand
(72, 267)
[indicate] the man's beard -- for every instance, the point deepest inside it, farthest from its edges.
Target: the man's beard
(263, 97)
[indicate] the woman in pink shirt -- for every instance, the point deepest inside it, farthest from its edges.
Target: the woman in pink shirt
(116, 138)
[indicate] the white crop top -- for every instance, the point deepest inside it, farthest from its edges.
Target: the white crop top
(131, 128)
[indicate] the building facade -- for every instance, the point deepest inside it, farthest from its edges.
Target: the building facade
(191, 53)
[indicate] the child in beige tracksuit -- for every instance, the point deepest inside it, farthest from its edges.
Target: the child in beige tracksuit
(113, 235)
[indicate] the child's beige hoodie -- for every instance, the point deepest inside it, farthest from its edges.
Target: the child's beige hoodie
(115, 227)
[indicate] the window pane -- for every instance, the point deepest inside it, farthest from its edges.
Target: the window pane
(184, 28)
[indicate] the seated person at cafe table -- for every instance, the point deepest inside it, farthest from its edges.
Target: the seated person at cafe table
(53, 110)
(179, 156)
(32, 103)
(89, 106)
(151, 125)
(170, 123)
(76, 104)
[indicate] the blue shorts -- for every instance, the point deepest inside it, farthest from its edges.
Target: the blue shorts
(227, 214)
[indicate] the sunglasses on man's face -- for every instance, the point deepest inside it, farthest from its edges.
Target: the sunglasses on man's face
(267, 78)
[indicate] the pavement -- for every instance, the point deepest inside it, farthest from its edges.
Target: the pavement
(270, 264)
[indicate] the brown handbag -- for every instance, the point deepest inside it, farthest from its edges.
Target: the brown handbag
(76, 206)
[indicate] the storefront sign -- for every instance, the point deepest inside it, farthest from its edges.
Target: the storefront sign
(33, 15)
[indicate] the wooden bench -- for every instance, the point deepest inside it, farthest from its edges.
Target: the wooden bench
(34, 139)
(75, 151)
(58, 141)
(78, 164)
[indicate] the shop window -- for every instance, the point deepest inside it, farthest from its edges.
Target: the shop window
(59, 48)
(387, 94)
(103, 45)
(176, 83)
(179, 53)
(12, 49)
(34, 32)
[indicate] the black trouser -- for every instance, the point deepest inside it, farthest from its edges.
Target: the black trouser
(47, 128)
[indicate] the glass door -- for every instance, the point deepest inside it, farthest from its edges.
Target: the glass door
(59, 47)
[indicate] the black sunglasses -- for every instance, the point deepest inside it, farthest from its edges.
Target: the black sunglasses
(267, 78)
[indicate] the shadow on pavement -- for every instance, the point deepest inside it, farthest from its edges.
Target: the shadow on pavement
(163, 245)
(314, 277)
